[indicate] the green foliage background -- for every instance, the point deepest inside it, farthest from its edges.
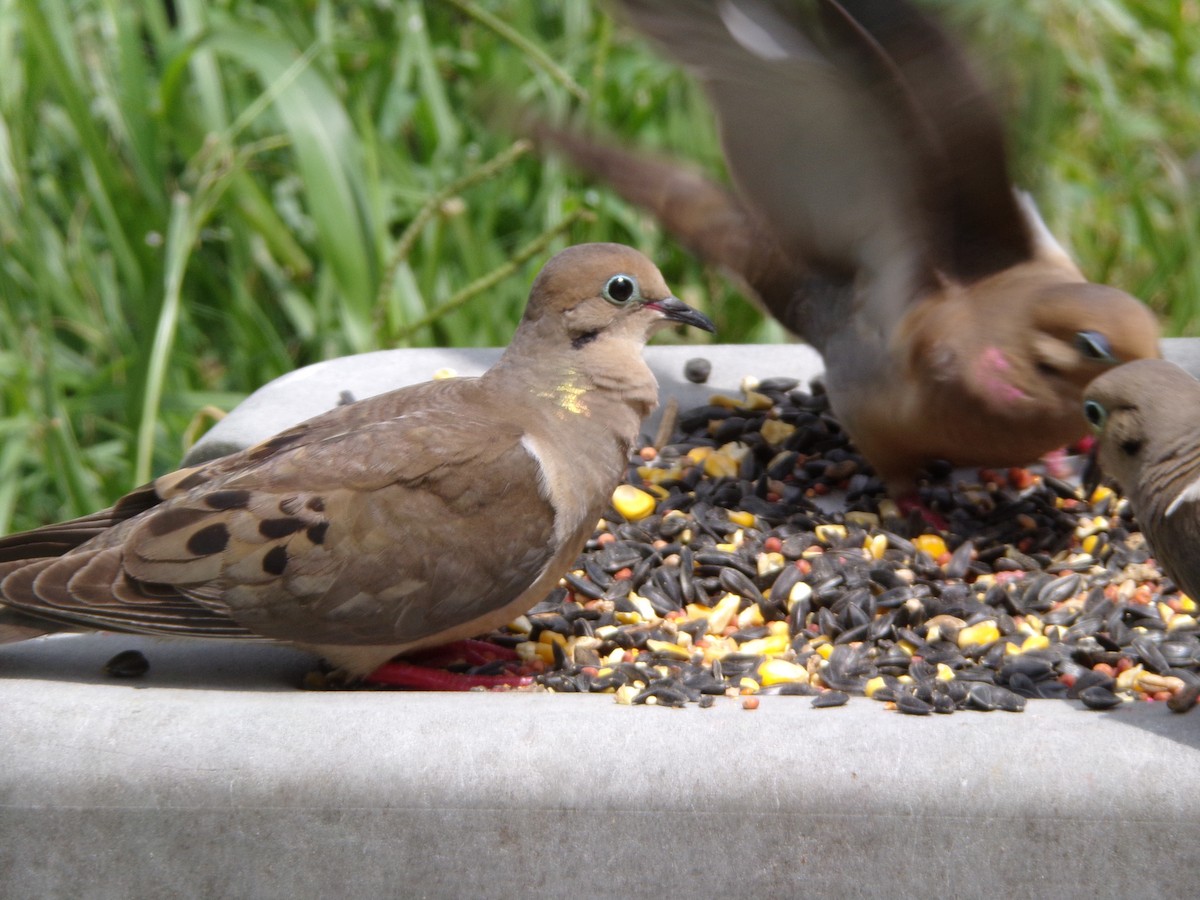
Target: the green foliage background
(197, 197)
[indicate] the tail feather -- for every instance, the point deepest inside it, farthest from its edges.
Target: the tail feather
(704, 216)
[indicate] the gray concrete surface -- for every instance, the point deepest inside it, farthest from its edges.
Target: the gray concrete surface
(191, 784)
(213, 776)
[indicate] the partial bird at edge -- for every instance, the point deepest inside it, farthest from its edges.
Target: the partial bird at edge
(873, 214)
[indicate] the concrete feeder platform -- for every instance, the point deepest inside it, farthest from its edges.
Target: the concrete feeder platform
(214, 776)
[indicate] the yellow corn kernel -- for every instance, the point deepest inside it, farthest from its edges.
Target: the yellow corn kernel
(1128, 680)
(778, 671)
(862, 519)
(874, 685)
(798, 594)
(876, 545)
(721, 465)
(722, 614)
(768, 646)
(1183, 620)
(775, 432)
(932, 544)
(643, 607)
(741, 517)
(770, 562)
(827, 534)
(756, 401)
(750, 617)
(726, 402)
(632, 503)
(748, 685)
(666, 648)
(626, 693)
(983, 633)
(1035, 642)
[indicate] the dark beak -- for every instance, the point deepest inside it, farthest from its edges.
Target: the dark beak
(1092, 476)
(678, 311)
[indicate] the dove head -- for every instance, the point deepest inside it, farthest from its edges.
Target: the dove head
(598, 293)
(1146, 416)
(1081, 330)
(590, 312)
(1031, 342)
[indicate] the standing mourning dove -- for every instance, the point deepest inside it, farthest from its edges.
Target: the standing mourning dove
(421, 516)
(1146, 415)
(874, 216)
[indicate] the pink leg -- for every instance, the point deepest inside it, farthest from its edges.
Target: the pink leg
(909, 502)
(404, 674)
(1057, 463)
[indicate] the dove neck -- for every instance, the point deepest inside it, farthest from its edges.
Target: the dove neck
(602, 386)
(1174, 471)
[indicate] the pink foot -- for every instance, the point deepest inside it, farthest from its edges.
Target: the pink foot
(408, 675)
(1058, 463)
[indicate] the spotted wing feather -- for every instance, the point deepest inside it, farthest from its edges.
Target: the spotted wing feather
(336, 532)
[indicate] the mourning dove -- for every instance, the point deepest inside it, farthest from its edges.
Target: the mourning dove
(1146, 415)
(873, 215)
(421, 516)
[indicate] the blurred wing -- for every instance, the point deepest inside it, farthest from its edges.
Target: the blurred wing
(804, 143)
(859, 134)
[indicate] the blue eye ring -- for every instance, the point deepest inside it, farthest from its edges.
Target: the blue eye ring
(1095, 413)
(620, 289)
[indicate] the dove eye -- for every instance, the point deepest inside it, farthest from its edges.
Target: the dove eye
(1094, 345)
(1096, 414)
(620, 289)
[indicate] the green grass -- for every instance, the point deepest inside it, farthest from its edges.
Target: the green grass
(189, 208)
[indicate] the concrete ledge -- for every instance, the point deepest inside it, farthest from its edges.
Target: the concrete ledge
(116, 791)
(215, 776)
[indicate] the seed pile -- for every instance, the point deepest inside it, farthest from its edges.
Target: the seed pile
(717, 571)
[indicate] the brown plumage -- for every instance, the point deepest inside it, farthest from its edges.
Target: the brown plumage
(1146, 415)
(873, 215)
(424, 515)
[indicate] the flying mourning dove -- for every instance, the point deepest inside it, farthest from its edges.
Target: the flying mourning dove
(421, 516)
(1146, 415)
(873, 215)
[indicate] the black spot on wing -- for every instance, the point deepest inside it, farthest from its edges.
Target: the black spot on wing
(223, 500)
(316, 533)
(275, 560)
(271, 446)
(273, 529)
(209, 540)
